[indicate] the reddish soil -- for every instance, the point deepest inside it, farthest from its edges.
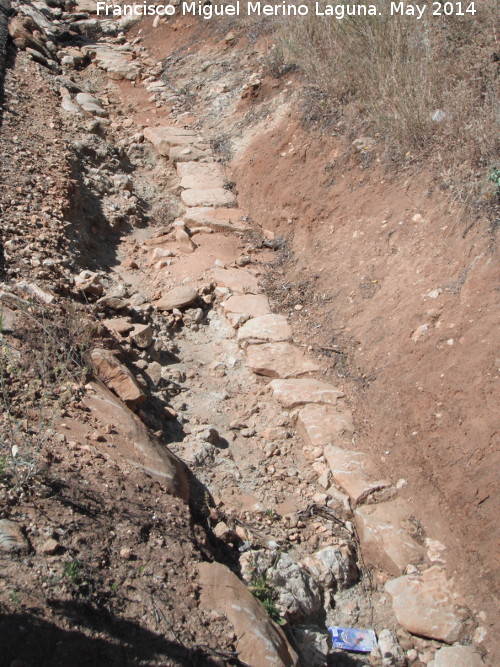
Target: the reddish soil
(369, 250)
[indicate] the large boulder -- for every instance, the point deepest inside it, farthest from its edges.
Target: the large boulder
(134, 441)
(426, 605)
(260, 641)
(457, 656)
(334, 566)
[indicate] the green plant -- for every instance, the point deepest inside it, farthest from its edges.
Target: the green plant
(3, 465)
(72, 571)
(494, 177)
(265, 593)
(15, 597)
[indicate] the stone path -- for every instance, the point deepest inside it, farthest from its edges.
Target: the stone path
(262, 429)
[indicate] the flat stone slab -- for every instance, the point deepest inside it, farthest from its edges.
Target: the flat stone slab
(349, 472)
(253, 305)
(204, 175)
(292, 393)
(260, 641)
(384, 542)
(265, 329)
(457, 656)
(179, 297)
(219, 219)
(178, 154)
(209, 197)
(115, 63)
(279, 360)
(164, 138)
(321, 425)
(425, 605)
(237, 280)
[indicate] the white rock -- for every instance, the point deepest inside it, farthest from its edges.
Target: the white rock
(391, 652)
(299, 594)
(334, 567)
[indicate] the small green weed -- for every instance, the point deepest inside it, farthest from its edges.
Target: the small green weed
(267, 596)
(72, 571)
(494, 177)
(15, 597)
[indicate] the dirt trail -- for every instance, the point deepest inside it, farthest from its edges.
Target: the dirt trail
(173, 274)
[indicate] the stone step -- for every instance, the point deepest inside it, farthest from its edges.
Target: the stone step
(209, 197)
(292, 393)
(177, 154)
(251, 305)
(349, 472)
(166, 137)
(219, 219)
(384, 542)
(239, 281)
(322, 425)
(279, 360)
(265, 329)
(116, 64)
(201, 175)
(425, 605)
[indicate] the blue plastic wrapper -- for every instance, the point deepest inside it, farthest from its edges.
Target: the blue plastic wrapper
(351, 639)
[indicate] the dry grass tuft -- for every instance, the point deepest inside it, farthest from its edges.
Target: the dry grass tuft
(426, 89)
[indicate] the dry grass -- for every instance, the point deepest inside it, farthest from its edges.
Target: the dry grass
(388, 76)
(42, 365)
